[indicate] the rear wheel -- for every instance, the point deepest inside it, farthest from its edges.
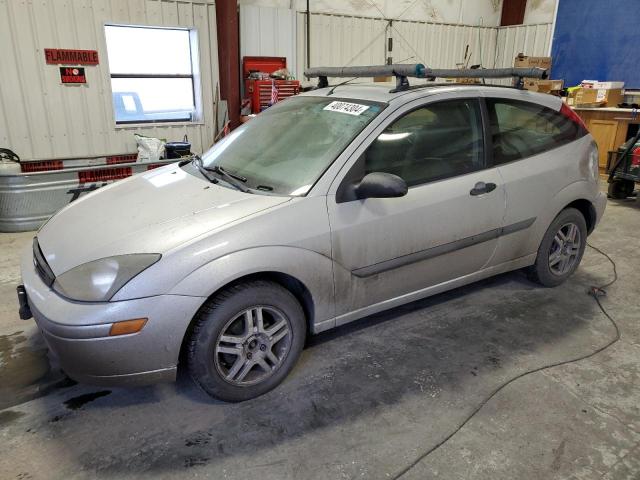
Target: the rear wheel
(561, 249)
(246, 340)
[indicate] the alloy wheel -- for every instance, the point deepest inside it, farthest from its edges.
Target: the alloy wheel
(565, 249)
(253, 345)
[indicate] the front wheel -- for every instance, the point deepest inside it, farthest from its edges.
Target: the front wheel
(561, 249)
(246, 340)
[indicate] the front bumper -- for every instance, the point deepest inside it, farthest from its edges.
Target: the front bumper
(77, 333)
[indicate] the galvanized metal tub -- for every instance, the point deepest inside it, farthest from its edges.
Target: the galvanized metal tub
(29, 198)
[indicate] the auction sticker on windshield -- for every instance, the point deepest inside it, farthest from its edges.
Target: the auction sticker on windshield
(346, 107)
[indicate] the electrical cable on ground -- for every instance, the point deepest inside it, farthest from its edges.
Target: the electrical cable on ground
(596, 292)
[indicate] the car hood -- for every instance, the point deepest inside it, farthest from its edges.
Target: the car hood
(149, 213)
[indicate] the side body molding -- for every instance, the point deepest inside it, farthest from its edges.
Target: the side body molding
(314, 270)
(442, 249)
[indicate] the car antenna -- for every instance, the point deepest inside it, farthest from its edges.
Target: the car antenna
(330, 92)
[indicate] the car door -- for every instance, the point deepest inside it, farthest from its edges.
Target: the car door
(534, 151)
(444, 228)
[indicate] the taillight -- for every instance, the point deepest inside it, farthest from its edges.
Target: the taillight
(567, 112)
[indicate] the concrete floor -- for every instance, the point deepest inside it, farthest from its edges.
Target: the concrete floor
(366, 400)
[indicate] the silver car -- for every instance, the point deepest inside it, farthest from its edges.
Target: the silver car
(327, 207)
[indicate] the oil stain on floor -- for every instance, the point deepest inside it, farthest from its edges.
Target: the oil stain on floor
(78, 402)
(25, 372)
(8, 416)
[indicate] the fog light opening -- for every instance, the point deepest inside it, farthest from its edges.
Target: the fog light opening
(127, 327)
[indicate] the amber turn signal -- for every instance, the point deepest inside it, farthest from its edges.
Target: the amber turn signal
(128, 326)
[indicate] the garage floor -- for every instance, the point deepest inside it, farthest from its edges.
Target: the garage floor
(367, 400)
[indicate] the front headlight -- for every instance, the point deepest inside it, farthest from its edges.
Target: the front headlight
(99, 280)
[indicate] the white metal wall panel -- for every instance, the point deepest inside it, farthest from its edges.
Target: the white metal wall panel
(532, 40)
(42, 119)
(269, 32)
(441, 45)
(338, 40)
(342, 40)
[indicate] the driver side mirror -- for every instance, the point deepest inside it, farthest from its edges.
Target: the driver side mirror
(381, 185)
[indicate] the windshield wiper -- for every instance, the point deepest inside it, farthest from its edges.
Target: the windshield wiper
(202, 169)
(230, 178)
(222, 170)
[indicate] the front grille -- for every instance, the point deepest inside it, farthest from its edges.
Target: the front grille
(42, 267)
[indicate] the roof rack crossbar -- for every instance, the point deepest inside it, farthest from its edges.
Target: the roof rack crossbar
(418, 70)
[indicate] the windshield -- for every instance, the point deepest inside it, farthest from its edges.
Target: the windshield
(286, 148)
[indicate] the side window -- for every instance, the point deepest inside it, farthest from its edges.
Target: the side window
(521, 129)
(437, 141)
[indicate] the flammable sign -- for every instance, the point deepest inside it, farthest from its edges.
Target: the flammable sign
(72, 75)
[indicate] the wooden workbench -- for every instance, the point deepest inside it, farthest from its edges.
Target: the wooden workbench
(609, 128)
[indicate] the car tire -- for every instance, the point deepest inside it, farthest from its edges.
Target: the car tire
(561, 249)
(621, 188)
(237, 325)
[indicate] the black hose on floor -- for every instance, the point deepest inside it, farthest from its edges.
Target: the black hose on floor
(596, 292)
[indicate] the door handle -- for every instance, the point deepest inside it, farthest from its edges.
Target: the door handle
(481, 188)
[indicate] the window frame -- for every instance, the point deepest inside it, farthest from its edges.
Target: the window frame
(355, 172)
(579, 134)
(196, 116)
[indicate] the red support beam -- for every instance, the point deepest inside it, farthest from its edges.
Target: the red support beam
(513, 12)
(229, 56)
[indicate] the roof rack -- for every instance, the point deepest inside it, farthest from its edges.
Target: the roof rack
(417, 70)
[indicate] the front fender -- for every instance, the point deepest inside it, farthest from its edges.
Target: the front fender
(312, 269)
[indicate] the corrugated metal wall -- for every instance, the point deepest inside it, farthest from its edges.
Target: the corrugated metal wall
(532, 40)
(42, 119)
(441, 45)
(268, 32)
(338, 40)
(341, 40)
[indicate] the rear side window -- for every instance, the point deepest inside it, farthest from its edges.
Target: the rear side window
(522, 129)
(437, 141)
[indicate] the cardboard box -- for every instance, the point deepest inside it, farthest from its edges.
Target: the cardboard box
(588, 83)
(523, 61)
(608, 85)
(467, 80)
(543, 86)
(590, 97)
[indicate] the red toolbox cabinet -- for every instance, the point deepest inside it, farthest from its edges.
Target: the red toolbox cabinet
(259, 90)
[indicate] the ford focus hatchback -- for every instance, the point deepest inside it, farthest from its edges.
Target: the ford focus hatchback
(327, 207)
